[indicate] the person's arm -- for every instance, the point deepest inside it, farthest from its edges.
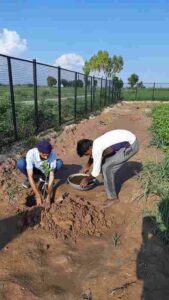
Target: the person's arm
(34, 188)
(88, 165)
(97, 159)
(50, 185)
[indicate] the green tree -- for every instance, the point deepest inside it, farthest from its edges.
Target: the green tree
(86, 68)
(118, 83)
(65, 82)
(140, 85)
(116, 64)
(133, 79)
(79, 83)
(102, 62)
(51, 81)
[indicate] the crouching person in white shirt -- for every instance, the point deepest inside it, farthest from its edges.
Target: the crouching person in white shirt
(33, 164)
(107, 154)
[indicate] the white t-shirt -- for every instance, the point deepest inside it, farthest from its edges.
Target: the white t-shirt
(33, 160)
(106, 140)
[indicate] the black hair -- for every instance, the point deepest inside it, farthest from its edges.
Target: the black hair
(83, 146)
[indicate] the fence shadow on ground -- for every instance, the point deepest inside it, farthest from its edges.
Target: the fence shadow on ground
(153, 263)
(13, 226)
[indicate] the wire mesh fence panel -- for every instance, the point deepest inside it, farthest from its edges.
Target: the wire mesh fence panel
(128, 93)
(47, 94)
(97, 91)
(6, 124)
(104, 92)
(145, 91)
(22, 74)
(161, 91)
(109, 92)
(89, 94)
(67, 95)
(81, 97)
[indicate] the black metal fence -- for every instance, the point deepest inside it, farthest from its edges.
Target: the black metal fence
(146, 91)
(35, 97)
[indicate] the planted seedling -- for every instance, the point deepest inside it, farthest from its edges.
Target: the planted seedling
(116, 239)
(46, 169)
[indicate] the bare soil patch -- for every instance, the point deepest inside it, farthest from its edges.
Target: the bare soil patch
(67, 252)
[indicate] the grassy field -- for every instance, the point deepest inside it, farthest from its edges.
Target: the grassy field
(161, 94)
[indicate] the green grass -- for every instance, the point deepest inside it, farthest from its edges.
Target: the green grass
(160, 126)
(129, 94)
(155, 175)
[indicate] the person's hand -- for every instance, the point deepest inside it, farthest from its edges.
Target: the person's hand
(85, 182)
(38, 200)
(85, 170)
(47, 200)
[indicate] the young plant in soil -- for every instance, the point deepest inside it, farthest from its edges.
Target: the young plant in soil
(116, 239)
(46, 169)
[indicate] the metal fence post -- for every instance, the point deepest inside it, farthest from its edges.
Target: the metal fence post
(12, 97)
(101, 92)
(75, 98)
(91, 103)
(59, 97)
(112, 91)
(93, 92)
(153, 98)
(35, 93)
(86, 82)
(136, 93)
(109, 91)
(105, 100)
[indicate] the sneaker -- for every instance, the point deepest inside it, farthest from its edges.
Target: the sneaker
(26, 184)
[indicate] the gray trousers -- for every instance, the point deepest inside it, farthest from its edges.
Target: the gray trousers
(112, 164)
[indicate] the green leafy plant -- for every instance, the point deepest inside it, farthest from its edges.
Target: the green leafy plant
(116, 239)
(46, 169)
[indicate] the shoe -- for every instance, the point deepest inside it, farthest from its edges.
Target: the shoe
(26, 184)
(110, 202)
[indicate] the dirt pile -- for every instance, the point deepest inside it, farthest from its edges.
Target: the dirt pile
(75, 217)
(69, 219)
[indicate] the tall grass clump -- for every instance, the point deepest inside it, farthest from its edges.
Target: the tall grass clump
(155, 175)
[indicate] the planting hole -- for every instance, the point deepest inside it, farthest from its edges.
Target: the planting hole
(30, 201)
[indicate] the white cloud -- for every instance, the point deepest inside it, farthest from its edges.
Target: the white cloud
(11, 43)
(70, 61)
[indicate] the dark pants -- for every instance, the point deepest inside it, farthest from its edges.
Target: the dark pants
(21, 166)
(112, 164)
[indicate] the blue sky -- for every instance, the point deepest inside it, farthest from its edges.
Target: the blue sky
(69, 32)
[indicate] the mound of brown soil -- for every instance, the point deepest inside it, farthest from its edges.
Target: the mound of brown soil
(69, 219)
(73, 218)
